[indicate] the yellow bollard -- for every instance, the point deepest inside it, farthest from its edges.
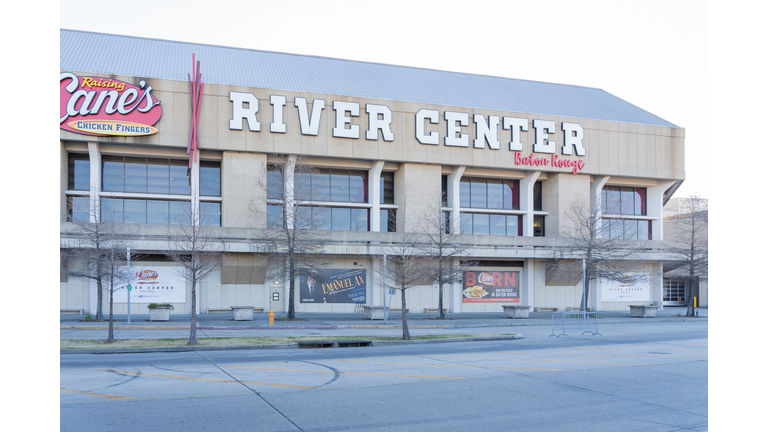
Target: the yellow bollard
(271, 317)
(694, 302)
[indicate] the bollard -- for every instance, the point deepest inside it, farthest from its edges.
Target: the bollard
(694, 302)
(271, 317)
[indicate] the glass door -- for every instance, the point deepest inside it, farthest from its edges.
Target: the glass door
(674, 292)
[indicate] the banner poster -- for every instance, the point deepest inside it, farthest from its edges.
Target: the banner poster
(333, 286)
(633, 287)
(492, 286)
(154, 285)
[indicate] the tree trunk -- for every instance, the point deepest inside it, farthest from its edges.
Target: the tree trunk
(99, 295)
(406, 333)
(291, 276)
(111, 333)
(193, 323)
(440, 312)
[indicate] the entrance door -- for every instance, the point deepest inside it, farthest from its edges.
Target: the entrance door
(674, 292)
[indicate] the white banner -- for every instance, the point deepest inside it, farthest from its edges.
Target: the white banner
(635, 287)
(154, 285)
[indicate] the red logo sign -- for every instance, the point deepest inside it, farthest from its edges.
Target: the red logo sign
(106, 107)
(147, 276)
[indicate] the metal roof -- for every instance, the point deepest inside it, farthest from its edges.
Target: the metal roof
(155, 58)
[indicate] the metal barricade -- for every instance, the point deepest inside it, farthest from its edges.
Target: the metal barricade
(585, 322)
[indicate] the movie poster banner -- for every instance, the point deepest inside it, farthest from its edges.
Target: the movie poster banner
(492, 286)
(333, 286)
(154, 285)
(633, 287)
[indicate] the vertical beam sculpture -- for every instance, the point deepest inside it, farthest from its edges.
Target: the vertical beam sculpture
(196, 93)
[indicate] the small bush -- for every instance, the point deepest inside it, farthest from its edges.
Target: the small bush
(159, 305)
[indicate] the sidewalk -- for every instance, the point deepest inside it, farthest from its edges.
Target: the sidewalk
(337, 321)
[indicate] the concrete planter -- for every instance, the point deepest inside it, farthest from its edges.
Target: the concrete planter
(642, 311)
(160, 314)
(242, 313)
(516, 311)
(374, 312)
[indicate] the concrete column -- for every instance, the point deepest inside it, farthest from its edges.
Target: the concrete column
(656, 209)
(194, 179)
(454, 198)
(288, 193)
(455, 294)
(94, 156)
(595, 296)
(243, 190)
(374, 198)
(528, 282)
(417, 194)
(657, 285)
(376, 285)
(596, 196)
(526, 201)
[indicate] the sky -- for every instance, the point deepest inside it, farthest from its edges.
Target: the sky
(650, 53)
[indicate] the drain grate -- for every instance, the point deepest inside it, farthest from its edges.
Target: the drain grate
(334, 344)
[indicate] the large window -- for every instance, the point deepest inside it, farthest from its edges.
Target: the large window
(493, 194)
(619, 203)
(79, 172)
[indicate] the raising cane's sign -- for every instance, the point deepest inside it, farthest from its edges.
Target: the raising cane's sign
(105, 107)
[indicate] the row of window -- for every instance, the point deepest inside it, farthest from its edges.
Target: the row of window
(626, 229)
(624, 200)
(141, 211)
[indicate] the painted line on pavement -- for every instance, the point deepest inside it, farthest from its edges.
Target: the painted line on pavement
(544, 360)
(450, 365)
(606, 355)
(104, 395)
(209, 379)
(349, 373)
(635, 349)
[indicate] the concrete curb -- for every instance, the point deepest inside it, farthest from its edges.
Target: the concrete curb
(280, 346)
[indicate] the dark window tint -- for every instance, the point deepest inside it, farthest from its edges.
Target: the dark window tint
(464, 192)
(210, 179)
(538, 226)
(79, 172)
(537, 196)
(274, 216)
(387, 188)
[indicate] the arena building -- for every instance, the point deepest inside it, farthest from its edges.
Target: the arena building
(149, 134)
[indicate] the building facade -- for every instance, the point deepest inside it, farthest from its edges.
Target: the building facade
(144, 138)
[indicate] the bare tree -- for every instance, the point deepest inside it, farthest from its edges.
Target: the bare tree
(192, 245)
(408, 265)
(602, 256)
(443, 243)
(689, 232)
(100, 252)
(297, 222)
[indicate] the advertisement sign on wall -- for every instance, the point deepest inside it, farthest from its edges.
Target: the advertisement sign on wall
(492, 286)
(154, 285)
(333, 286)
(634, 287)
(106, 107)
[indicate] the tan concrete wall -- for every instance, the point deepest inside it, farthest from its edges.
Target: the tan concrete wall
(560, 192)
(417, 193)
(550, 296)
(243, 190)
(612, 148)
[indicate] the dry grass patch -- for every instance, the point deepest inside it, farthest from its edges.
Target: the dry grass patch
(233, 341)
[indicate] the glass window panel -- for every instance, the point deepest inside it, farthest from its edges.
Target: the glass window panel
(613, 200)
(495, 194)
(640, 201)
(112, 210)
(303, 219)
(210, 180)
(513, 225)
(210, 213)
(302, 185)
(537, 196)
(321, 185)
(605, 231)
(627, 201)
(466, 223)
(478, 193)
(498, 225)
(134, 211)
(383, 220)
(340, 219)
(79, 209)
(464, 192)
(387, 188)
(274, 185)
(538, 226)
(79, 173)
(321, 218)
(616, 229)
(157, 212)
(444, 190)
(274, 216)
(507, 192)
(339, 186)
(357, 189)
(480, 224)
(446, 222)
(158, 177)
(179, 180)
(604, 200)
(178, 212)
(135, 175)
(359, 219)
(643, 230)
(112, 177)
(392, 224)
(630, 229)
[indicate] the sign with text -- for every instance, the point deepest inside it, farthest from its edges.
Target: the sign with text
(491, 286)
(333, 286)
(154, 285)
(633, 287)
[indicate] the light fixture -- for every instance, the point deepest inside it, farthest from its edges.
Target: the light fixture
(277, 282)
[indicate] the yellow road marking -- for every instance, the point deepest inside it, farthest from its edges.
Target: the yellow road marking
(104, 395)
(209, 379)
(603, 355)
(446, 365)
(634, 349)
(349, 373)
(516, 359)
(672, 345)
